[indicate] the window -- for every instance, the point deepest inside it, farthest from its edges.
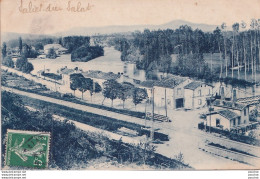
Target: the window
(199, 101)
(178, 91)
(209, 92)
(217, 122)
(239, 120)
(244, 112)
(234, 122)
(199, 92)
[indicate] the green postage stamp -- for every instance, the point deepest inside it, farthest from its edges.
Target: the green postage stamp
(27, 149)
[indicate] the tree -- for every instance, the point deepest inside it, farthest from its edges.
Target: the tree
(223, 27)
(73, 42)
(4, 51)
(7, 61)
(39, 46)
(75, 83)
(81, 83)
(73, 87)
(51, 53)
(146, 150)
(28, 52)
(110, 90)
(235, 28)
(139, 95)
(243, 26)
(94, 88)
(218, 38)
(23, 65)
(27, 68)
(20, 43)
(125, 91)
(84, 54)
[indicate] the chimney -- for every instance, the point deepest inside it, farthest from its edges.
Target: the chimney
(234, 95)
(222, 93)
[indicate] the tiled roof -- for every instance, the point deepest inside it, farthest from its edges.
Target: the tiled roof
(247, 99)
(171, 82)
(100, 75)
(193, 85)
(227, 114)
(55, 46)
(148, 83)
(66, 71)
(224, 113)
(229, 104)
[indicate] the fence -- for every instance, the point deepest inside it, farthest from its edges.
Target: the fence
(230, 135)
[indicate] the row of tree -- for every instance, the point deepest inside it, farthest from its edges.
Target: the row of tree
(237, 49)
(79, 82)
(111, 89)
(24, 50)
(21, 64)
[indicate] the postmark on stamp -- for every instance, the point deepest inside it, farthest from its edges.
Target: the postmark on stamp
(27, 149)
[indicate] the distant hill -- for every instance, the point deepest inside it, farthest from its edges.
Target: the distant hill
(7, 36)
(86, 31)
(124, 29)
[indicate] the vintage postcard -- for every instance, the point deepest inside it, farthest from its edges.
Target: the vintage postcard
(130, 85)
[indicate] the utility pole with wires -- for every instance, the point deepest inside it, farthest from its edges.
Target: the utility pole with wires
(166, 114)
(152, 129)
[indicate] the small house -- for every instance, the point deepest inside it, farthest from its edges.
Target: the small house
(196, 94)
(57, 48)
(223, 119)
(239, 108)
(100, 77)
(228, 115)
(65, 74)
(169, 92)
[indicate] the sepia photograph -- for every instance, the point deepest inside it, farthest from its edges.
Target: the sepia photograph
(139, 85)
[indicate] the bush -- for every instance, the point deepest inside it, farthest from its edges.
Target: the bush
(7, 61)
(51, 53)
(253, 115)
(84, 54)
(73, 42)
(23, 65)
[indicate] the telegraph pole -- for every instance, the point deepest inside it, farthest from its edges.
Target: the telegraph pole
(165, 104)
(152, 130)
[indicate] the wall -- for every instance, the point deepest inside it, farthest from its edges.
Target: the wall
(223, 121)
(188, 103)
(192, 97)
(171, 95)
(159, 97)
(206, 92)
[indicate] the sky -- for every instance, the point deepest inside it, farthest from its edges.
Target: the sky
(15, 15)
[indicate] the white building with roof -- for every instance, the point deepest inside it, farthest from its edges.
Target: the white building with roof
(223, 119)
(100, 77)
(169, 92)
(65, 74)
(196, 94)
(239, 108)
(229, 115)
(57, 47)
